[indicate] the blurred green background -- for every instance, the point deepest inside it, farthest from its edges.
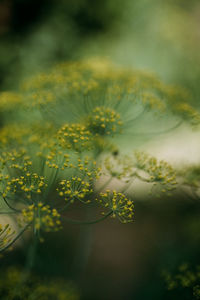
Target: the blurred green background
(160, 36)
(123, 261)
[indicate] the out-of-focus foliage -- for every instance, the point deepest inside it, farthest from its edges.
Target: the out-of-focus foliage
(191, 176)
(13, 286)
(34, 34)
(185, 278)
(158, 36)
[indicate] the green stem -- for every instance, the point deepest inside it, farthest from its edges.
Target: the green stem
(158, 132)
(8, 212)
(78, 222)
(141, 178)
(104, 185)
(31, 255)
(127, 186)
(64, 208)
(29, 265)
(84, 246)
(137, 117)
(7, 203)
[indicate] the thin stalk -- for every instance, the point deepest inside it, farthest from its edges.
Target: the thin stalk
(78, 222)
(104, 185)
(8, 212)
(64, 208)
(84, 246)
(16, 238)
(29, 265)
(128, 122)
(8, 204)
(31, 255)
(141, 178)
(158, 132)
(127, 186)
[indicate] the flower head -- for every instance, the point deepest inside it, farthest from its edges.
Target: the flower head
(75, 136)
(42, 217)
(75, 189)
(25, 187)
(104, 121)
(157, 172)
(119, 204)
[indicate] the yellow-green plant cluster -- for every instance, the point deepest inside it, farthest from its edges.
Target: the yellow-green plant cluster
(58, 134)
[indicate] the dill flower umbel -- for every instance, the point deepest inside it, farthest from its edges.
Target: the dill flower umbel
(25, 187)
(157, 172)
(10, 100)
(75, 136)
(119, 166)
(75, 189)
(42, 217)
(16, 159)
(104, 121)
(120, 206)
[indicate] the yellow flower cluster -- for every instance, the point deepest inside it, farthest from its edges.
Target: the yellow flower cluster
(157, 172)
(104, 121)
(41, 97)
(188, 113)
(87, 167)
(10, 100)
(42, 217)
(38, 136)
(120, 206)
(41, 80)
(6, 235)
(12, 134)
(153, 101)
(25, 187)
(16, 159)
(56, 159)
(41, 134)
(75, 136)
(75, 189)
(85, 83)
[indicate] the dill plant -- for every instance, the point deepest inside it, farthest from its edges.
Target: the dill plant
(60, 139)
